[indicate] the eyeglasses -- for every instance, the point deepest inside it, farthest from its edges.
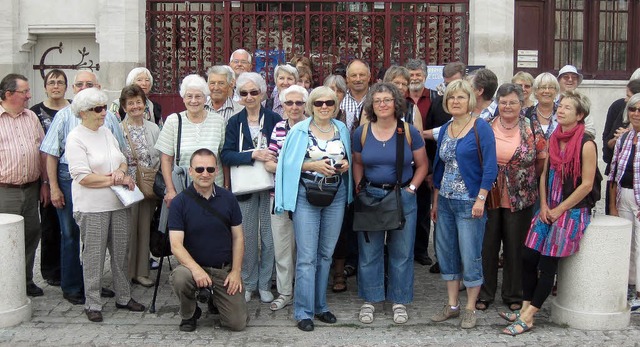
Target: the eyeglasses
(200, 169)
(291, 103)
(385, 101)
(633, 109)
(83, 84)
(319, 103)
(238, 61)
(252, 92)
(59, 83)
(547, 88)
(194, 96)
(98, 109)
(510, 104)
(23, 92)
(525, 86)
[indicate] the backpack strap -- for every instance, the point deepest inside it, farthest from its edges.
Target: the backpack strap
(363, 136)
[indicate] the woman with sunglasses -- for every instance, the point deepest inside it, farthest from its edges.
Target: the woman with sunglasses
(96, 164)
(624, 197)
(374, 169)
(55, 84)
(140, 134)
(293, 99)
(256, 124)
(316, 153)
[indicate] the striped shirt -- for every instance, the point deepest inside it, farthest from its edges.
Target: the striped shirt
(228, 109)
(65, 121)
(208, 134)
(352, 109)
(20, 138)
(278, 136)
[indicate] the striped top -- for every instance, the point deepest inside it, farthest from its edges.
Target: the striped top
(208, 134)
(228, 109)
(20, 139)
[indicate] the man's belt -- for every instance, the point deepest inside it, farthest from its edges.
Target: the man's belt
(18, 186)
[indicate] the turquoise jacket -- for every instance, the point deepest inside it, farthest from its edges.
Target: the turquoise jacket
(290, 164)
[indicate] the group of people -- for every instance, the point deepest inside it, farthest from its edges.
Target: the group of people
(526, 186)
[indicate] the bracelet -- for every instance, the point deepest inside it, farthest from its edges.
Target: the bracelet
(45, 182)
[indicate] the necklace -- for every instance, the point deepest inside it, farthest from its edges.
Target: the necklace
(545, 117)
(506, 127)
(319, 128)
(461, 130)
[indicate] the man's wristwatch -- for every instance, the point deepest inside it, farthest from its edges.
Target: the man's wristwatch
(412, 188)
(482, 197)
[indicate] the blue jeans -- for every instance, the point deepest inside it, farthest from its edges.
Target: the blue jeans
(317, 230)
(459, 241)
(400, 245)
(71, 280)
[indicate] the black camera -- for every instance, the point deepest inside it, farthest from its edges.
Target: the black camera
(204, 294)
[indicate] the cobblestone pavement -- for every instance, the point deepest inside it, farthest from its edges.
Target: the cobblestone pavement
(56, 322)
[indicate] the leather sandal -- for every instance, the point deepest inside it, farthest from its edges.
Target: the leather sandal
(366, 313)
(482, 305)
(512, 329)
(400, 315)
(339, 283)
(510, 316)
(514, 306)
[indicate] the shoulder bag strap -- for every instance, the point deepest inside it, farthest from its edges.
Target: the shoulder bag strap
(400, 136)
(179, 138)
(475, 131)
(125, 125)
(208, 207)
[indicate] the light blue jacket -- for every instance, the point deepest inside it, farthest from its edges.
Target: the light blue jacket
(290, 164)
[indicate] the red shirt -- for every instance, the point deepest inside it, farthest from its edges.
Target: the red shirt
(424, 102)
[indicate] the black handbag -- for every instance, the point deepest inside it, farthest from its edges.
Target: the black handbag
(382, 214)
(159, 186)
(320, 194)
(158, 241)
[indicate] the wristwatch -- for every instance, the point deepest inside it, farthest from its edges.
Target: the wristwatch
(482, 197)
(412, 188)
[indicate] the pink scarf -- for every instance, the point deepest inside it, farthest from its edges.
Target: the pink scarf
(569, 163)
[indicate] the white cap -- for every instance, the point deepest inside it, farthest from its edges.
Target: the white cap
(570, 69)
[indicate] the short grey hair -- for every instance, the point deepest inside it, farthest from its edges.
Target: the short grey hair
(633, 100)
(321, 92)
(635, 75)
(241, 51)
(254, 78)
(75, 78)
(545, 78)
(416, 64)
(221, 70)
(135, 72)
(194, 81)
(337, 81)
(87, 99)
(294, 89)
(509, 88)
(287, 69)
(522, 76)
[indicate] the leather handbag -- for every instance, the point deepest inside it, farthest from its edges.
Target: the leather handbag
(145, 177)
(159, 186)
(386, 213)
(247, 179)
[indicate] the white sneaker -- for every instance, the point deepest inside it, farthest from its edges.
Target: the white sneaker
(266, 296)
(635, 305)
(247, 295)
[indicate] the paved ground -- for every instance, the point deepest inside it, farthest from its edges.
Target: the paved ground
(55, 322)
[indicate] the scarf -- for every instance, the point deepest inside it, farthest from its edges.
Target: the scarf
(569, 163)
(622, 155)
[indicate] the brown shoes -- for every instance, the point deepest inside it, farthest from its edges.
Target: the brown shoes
(94, 316)
(132, 305)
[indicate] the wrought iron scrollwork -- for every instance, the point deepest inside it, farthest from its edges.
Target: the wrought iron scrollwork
(81, 65)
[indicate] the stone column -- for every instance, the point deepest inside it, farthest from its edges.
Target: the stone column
(15, 307)
(592, 284)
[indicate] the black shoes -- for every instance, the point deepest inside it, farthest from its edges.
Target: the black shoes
(423, 259)
(107, 293)
(435, 268)
(74, 298)
(132, 305)
(33, 290)
(326, 317)
(305, 325)
(190, 324)
(53, 282)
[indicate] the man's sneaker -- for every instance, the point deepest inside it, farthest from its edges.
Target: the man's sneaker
(468, 319)
(446, 313)
(635, 306)
(190, 324)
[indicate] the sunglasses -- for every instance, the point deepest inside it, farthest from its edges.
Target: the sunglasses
(319, 103)
(633, 109)
(98, 109)
(253, 93)
(297, 103)
(200, 169)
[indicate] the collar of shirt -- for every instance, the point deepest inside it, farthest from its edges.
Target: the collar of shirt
(4, 111)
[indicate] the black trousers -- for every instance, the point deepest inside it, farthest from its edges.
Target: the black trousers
(509, 229)
(423, 224)
(536, 288)
(49, 243)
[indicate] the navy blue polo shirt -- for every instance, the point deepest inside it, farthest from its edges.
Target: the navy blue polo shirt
(206, 238)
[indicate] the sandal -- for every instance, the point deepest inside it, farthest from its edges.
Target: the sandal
(400, 315)
(515, 306)
(339, 283)
(349, 270)
(366, 313)
(281, 302)
(482, 305)
(510, 316)
(512, 329)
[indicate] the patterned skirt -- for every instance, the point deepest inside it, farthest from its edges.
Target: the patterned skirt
(562, 238)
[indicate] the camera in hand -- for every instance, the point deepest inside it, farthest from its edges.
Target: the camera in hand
(204, 294)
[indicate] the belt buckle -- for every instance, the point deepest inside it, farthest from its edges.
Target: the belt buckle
(331, 179)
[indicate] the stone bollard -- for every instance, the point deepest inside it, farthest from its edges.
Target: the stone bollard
(15, 306)
(592, 284)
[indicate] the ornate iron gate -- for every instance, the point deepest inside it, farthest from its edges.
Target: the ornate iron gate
(186, 37)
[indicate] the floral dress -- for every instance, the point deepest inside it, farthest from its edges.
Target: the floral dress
(138, 140)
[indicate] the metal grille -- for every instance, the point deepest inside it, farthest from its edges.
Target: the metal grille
(186, 37)
(569, 33)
